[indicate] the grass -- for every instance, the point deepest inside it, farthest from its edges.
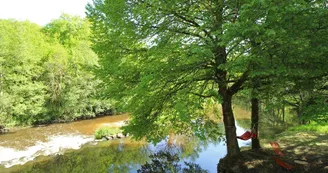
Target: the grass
(305, 143)
(106, 131)
(299, 144)
(313, 127)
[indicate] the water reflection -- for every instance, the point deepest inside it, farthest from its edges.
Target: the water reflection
(167, 162)
(177, 154)
(115, 156)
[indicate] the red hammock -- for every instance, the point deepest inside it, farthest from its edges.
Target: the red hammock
(283, 164)
(276, 148)
(247, 135)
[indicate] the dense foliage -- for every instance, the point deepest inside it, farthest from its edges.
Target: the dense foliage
(46, 73)
(290, 69)
(166, 61)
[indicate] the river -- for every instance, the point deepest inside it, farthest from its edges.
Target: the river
(70, 147)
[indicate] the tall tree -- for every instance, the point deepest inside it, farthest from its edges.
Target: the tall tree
(165, 59)
(255, 122)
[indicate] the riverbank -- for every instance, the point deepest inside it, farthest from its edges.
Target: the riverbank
(13, 128)
(305, 151)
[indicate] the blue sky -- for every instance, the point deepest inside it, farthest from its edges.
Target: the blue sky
(40, 11)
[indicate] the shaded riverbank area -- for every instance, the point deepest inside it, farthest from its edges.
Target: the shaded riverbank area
(8, 128)
(305, 151)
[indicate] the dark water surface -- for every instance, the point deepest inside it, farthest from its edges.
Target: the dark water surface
(70, 148)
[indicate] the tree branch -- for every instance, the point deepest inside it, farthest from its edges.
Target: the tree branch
(179, 31)
(201, 95)
(185, 19)
(192, 22)
(238, 84)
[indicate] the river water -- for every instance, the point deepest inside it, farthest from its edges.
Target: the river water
(70, 147)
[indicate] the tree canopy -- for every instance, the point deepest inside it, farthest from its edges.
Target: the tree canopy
(169, 60)
(165, 61)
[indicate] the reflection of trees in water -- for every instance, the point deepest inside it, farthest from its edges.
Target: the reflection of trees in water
(171, 157)
(244, 123)
(184, 146)
(101, 158)
(166, 162)
(187, 146)
(116, 157)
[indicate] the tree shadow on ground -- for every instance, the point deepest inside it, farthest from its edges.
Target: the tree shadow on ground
(308, 147)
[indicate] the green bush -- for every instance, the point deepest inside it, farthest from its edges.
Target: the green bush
(106, 131)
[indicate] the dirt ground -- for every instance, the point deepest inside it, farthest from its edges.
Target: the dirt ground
(305, 151)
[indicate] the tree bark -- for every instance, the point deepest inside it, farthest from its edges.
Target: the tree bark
(255, 123)
(229, 124)
(298, 112)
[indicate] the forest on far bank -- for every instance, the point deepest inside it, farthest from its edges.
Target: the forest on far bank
(47, 73)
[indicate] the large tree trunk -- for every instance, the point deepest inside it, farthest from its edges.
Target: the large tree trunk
(229, 124)
(255, 123)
